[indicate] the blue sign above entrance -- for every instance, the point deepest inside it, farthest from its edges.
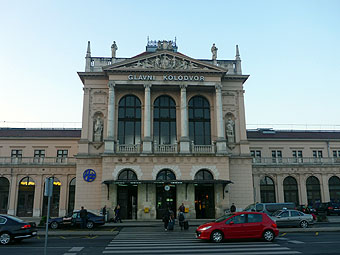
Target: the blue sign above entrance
(89, 175)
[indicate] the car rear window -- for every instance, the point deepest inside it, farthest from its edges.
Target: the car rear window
(252, 218)
(14, 218)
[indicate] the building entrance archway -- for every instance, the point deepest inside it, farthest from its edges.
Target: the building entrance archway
(127, 195)
(4, 191)
(204, 196)
(54, 209)
(26, 197)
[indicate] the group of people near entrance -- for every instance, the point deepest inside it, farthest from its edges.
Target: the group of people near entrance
(169, 219)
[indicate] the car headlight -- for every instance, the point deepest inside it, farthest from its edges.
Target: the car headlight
(205, 228)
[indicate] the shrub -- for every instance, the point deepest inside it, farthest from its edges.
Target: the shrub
(42, 221)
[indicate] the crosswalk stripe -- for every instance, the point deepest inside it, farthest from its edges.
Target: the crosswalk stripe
(187, 246)
(231, 253)
(295, 242)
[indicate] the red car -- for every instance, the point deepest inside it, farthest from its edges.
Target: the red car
(239, 225)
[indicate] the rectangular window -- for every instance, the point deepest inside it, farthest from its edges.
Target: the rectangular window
(16, 156)
(317, 155)
(256, 154)
(39, 156)
(277, 156)
(62, 156)
(336, 154)
(297, 155)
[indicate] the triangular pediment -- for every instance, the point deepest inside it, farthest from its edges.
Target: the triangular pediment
(164, 61)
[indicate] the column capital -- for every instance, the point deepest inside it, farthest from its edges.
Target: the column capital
(218, 87)
(86, 90)
(183, 86)
(147, 85)
(111, 84)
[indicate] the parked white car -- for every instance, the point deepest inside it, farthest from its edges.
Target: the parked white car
(292, 218)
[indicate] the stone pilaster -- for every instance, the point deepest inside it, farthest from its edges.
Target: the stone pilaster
(84, 140)
(63, 195)
(109, 141)
(303, 190)
(12, 207)
(279, 192)
(221, 145)
(184, 140)
(147, 140)
(325, 197)
(38, 196)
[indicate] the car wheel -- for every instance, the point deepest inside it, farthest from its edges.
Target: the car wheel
(268, 236)
(5, 238)
(89, 224)
(303, 224)
(216, 236)
(54, 225)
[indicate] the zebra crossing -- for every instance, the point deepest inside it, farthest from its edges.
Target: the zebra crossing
(130, 242)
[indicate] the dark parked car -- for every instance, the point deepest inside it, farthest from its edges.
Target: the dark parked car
(73, 219)
(15, 229)
(329, 208)
(237, 226)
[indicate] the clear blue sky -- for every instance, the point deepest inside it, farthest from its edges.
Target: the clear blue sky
(291, 49)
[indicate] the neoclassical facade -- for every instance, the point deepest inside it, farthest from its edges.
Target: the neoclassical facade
(160, 129)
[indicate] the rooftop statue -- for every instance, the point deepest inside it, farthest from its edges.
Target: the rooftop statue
(214, 52)
(114, 48)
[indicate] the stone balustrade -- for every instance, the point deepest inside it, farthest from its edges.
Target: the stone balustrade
(295, 161)
(37, 160)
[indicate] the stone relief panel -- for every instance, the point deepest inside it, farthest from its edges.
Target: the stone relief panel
(135, 168)
(213, 170)
(99, 97)
(174, 168)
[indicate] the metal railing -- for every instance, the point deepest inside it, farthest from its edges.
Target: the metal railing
(37, 161)
(297, 161)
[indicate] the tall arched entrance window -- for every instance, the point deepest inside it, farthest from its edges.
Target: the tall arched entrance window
(204, 195)
(129, 120)
(166, 192)
(313, 190)
(127, 194)
(290, 190)
(4, 191)
(164, 120)
(334, 189)
(54, 209)
(26, 197)
(71, 195)
(267, 190)
(199, 121)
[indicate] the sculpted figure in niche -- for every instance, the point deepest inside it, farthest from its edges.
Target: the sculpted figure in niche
(98, 129)
(214, 52)
(230, 125)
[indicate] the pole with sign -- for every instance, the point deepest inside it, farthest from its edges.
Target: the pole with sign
(48, 193)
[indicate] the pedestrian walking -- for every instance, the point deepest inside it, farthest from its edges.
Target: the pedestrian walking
(117, 214)
(166, 218)
(182, 208)
(104, 213)
(83, 217)
(232, 208)
(181, 219)
(171, 224)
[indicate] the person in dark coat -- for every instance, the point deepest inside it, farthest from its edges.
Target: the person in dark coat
(83, 217)
(181, 219)
(104, 212)
(182, 208)
(117, 214)
(232, 208)
(166, 218)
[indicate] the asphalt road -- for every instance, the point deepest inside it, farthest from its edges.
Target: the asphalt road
(153, 240)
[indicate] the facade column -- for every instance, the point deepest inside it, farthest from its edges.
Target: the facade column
(325, 196)
(221, 143)
(147, 140)
(110, 131)
(241, 131)
(84, 140)
(280, 193)
(63, 195)
(303, 190)
(12, 207)
(38, 196)
(184, 140)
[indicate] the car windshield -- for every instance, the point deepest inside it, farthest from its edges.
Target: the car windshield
(14, 218)
(222, 218)
(277, 213)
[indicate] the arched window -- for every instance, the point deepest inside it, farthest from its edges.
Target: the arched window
(290, 189)
(127, 175)
(267, 190)
(71, 195)
(164, 120)
(4, 191)
(313, 190)
(26, 197)
(166, 175)
(129, 120)
(204, 175)
(54, 209)
(334, 188)
(199, 120)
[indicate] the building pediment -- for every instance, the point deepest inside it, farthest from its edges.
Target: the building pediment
(164, 61)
